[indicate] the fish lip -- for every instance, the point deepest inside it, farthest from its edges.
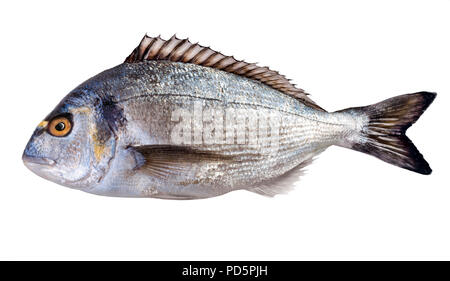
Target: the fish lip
(38, 160)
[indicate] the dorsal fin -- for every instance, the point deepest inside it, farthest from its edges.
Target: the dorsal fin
(182, 50)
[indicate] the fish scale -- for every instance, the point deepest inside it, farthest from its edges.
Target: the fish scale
(292, 144)
(143, 128)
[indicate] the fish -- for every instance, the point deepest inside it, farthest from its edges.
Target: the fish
(177, 120)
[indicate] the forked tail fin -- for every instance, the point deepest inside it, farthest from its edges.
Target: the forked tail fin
(383, 134)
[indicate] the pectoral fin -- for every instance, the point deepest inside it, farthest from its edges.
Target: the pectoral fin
(164, 161)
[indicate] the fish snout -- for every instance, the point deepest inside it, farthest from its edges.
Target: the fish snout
(33, 159)
(39, 165)
(29, 159)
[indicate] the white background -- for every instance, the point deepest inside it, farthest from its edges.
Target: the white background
(345, 53)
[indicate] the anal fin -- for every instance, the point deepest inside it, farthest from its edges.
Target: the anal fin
(283, 183)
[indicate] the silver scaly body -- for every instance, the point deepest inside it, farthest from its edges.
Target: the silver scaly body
(150, 92)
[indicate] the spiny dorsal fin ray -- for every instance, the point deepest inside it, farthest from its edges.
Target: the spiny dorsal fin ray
(182, 50)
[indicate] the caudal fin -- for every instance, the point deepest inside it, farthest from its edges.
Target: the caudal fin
(383, 135)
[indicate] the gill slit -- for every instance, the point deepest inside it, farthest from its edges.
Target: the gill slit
(108, 165)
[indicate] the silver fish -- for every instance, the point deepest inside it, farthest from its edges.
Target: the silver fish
(180, 121)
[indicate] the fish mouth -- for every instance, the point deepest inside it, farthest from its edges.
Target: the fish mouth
(27, 159)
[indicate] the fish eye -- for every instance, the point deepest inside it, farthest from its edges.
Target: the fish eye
(59, 126)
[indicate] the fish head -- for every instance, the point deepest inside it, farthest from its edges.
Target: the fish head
(72, 146)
